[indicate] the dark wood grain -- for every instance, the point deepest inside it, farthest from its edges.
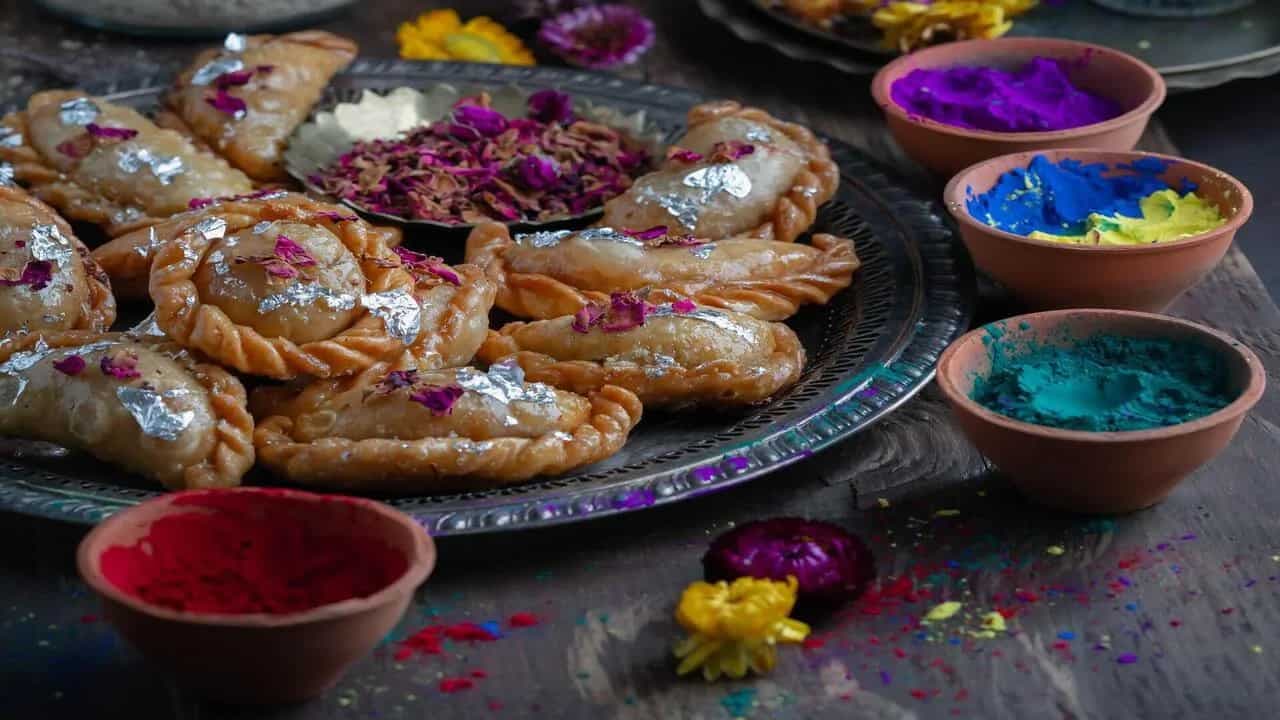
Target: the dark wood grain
(1204, 636)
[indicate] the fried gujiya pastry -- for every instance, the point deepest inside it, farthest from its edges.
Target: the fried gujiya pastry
(672, 355)
(48, 281)
(736, 171)
(244, 99)
(282, 290)
(395, 428)
(144, 405)
(454, 303)
(127, 258)
(106, 164)
(549, 274)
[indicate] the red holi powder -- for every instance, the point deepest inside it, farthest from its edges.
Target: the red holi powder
(813, 643)
(1228, 611)
(1175, 623)
(899, 652)
(86, 619)
(523, 620)
(1026, 596)
(453, 685)
(478, 674)
(495, 706)
(430, 639)
(962, 695)
(468, 632)
(254, 552)
(920, 694)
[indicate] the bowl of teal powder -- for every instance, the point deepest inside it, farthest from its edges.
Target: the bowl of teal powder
(1094, 228)
(1099, 411)
(956, 104)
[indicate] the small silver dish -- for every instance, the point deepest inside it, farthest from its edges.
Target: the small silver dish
(329, 134)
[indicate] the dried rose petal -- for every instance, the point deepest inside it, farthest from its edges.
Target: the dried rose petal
(293, 253)
(551, 106)
(335, 216)
(585, 318)
(110, 133)
(537, 173)
(36, 274)
(70, 365)
(203, 202)
(439, 399)
(423, 265)
(653, 233)
(723, 152)
(121, 366)
(397, 379)
(232, 79)
(626, 311)
(679, 154)
(830, 564)
(684, 306)
(225, 102)
(486, 121)
(76, 147)
(444, 272)
(278, 268)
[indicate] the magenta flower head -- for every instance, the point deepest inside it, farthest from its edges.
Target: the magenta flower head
(485, 121)
(598, 36)
(537, 173)
(830, 565)
(551, 106)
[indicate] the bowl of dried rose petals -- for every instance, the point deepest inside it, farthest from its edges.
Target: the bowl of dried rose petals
(453, 157)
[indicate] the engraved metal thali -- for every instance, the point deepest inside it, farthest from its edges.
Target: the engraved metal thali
(870, 349)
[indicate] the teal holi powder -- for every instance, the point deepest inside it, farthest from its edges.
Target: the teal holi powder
(1104, 383)
(1057, 198)
(739, 702)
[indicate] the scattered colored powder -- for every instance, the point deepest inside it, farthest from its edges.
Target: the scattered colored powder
(885, 678)
(994, 621)
(739, 702)
(1066, 635)
(1257, 649)
(522, 620)
(1039, 97)
(943, 611)
(1057, 198)
(1127, 659)
(430, 640)
(1103, 383)
(1055, 550)
(240, 553)
(453, 685)
(1166, 216)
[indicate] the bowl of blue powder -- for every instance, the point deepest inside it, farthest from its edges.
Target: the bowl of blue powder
(1099, 411)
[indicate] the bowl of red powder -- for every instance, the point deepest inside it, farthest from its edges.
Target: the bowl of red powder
(957, 104)
(255, 595)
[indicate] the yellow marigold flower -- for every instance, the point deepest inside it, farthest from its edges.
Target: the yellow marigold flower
(441, 35)
(911, 25)
(736, 627)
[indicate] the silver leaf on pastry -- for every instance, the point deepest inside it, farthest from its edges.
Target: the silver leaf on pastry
(9, 138)
(610, 235)
(304, 294)
(758, 135)
(151, 410)
(702, 252)
(504, 382)
(216, 68)
(6, 173)
(211, 228)
(542, 239)
(134, 158)
(80, 111)
(148, 327)
(48, 244)
(399, 311)
(125, 214)
(235, 42)
(727, 178)
(715, 317)
(262, 227)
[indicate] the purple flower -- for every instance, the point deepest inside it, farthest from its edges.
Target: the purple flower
(485, 121)
(551, 106)
(439, 399)
(227, 103)
(70, 365)
(36, 274)
(110, 133)
(600, 37)
(537, 172)
(831, 565)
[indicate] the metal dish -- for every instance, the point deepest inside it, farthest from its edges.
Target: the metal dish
(870, 350)
(348, 117)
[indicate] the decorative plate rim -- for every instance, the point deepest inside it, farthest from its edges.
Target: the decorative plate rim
(940, 288)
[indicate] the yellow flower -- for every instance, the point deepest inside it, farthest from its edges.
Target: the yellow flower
(441, 35)
(911, 25)
(736, 627)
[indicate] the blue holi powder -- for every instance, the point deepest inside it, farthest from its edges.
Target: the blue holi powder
(1057, 198)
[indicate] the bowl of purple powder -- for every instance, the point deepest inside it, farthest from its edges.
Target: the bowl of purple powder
(453, 157)
(958, 104)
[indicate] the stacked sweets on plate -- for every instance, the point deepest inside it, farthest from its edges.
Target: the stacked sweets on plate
(370, 365)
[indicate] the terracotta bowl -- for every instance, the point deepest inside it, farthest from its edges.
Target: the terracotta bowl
(261, 658)
(1095, 472)
(1049, 275)
(946, 149)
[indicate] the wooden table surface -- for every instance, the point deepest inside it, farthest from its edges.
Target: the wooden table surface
(1173, 612)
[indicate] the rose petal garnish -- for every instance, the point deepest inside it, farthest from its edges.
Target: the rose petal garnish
(537, 173)
(723, 152)
(111, 133)
(232, 79)
(36, 274)
(653, 233)
(70, 365)
(76, 147)
(599, 36)
(679, 154)
(280, 269)
(626, 311)
(439, 399)
(121, 366)
(551, 106)
(486, 121)
(830, 564)
(335, 216)
(225, 102)
(293, 253)
(684, 306)
(397, 379)
(423, 265)
(204, 202)
(584, 319)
